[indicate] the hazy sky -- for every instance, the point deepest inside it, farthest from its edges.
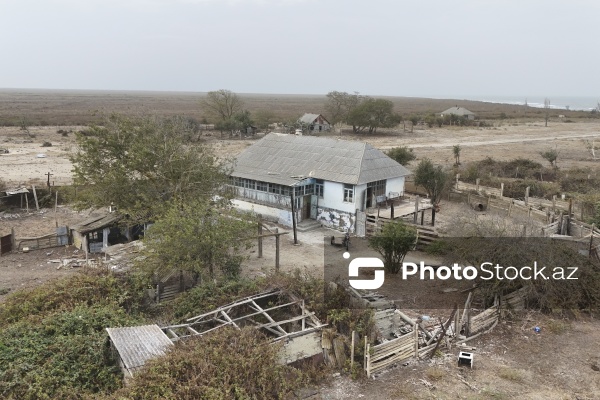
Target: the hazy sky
(426, 48)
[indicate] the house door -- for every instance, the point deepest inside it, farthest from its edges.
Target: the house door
(306, 207)
(369, 201)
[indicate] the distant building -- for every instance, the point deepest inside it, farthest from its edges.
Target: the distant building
(314, 122)
(331, 179)
(459, 111)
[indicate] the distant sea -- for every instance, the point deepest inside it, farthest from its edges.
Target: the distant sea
(557, 102)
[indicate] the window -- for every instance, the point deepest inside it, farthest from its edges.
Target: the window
(319, 187)
(262, 186)
(274, 188)
(348, 193)
(378, 187)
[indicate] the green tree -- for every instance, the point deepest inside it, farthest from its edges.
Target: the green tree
(393, 242)
(141, 164)
(222, 104)
(402, 155)
(551, 156)
(372, 114)
(199, 237)
(340, 104)
(456, 151)
(433, 179)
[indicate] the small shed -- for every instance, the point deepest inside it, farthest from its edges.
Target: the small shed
(314, 122)
(459, 111)
(136, 345)
(96, 233)
(15, 196)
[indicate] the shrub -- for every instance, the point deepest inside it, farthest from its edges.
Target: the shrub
(46, 144)
(228, 364)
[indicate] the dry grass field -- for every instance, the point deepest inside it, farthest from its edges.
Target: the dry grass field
(74, 107)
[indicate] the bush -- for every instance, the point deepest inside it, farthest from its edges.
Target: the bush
(228, 364)
(46, 144)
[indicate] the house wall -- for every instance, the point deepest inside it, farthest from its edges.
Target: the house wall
(395, 185)
(271, 213)
(333, 198)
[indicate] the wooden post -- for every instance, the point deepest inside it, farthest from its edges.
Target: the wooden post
(501, 189)
(27, 201)
(422, 216)
(277, 250)
(477, 183)
(529, 212)
(527, 195)
(55, 206)
(294, 214)
(553, 204)
(416, 330)
(487, 205)
(570, 207)
(510, 207)
(37, 206)
(351, 352)
(392, 211)
(417, 200)
(591, 242)
(524, 230)
(260, 239)
(457, 178)
(433, 216)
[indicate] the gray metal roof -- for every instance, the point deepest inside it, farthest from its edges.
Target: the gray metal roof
(98, 222)
(309, 118)
(458, 111)
(281, 159)
(137, 344)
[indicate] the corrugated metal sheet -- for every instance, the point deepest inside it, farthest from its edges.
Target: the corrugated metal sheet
(280, 158)
(11, 192)
(457, 111)
(137, 344)
(98, 222)
(308, 118)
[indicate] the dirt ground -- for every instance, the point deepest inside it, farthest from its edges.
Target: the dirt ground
(511, 362)
(506, 141)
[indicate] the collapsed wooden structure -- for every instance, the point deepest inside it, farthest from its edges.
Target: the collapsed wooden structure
(402, 338)
(278, 314)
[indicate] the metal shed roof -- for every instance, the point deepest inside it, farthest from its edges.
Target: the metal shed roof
(458, 111)
(281, 159)
(98, 222)
(309, 118)
(137, 344)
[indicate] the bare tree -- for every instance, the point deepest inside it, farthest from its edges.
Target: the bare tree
(547, 108)
(222, 104)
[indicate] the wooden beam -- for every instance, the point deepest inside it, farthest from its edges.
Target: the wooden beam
(267, 316)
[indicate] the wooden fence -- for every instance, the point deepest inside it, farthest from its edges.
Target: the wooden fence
(420, 342)
(426, 234)
(57, 239)
(555, 205)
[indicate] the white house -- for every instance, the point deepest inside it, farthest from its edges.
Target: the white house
(459, 111)
(314, 122)
(329, 179)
